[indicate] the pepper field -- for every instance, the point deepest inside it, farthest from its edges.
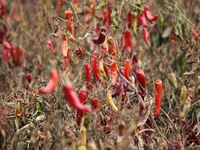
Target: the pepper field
(99, 75)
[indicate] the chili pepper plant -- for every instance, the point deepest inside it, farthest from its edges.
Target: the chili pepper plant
(99, 74)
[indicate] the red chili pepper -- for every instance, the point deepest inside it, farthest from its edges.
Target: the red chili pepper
(102, 36)
(51, 84)
(19, 56)
(127, 66)
(128, 40)
(6, 48)
(129, 19)
(51, 45)
(95, 67)
(15, 15)
(95, 103)
(82, 95)
(2, 34)
(29, 77)
(79, 51)
(104, 47)
(2, 9)
(195, 35)
(107, 70)
(142, 20)
(69, 22)
(73, 99)
(105, 16)
(113, 72)
(142, 81)
(88, 75)
(174, 145)
(59, 5)
(146, 36)
(112, 47)
(148, 14)
(158, 96)
(66, 60)
(65, 47)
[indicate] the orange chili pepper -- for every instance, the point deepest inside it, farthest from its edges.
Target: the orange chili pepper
(64, 45)
(158, 96)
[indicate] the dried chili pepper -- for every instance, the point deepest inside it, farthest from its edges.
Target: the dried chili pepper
(128, 40)
(2, 34)
(158, 96)
(148, 14)
(101, 69)
(110, 101)
(183, 95)
(142, 80)
(117, 88)
(73, 99)
(102, 36)
(95, 103)
(95, 67)
(129, 20)
(2, 9)
(88, 75)
(112, 47)
(142, 20)
(127, 66)
(146, 36)
(121, 129)
(65, 46)
(51, 84)
(113, 72)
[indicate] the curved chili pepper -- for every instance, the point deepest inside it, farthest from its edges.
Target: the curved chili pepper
(101, 69)
(127, 66)
(113, 72)
(51, 84)
(65, 46)
(128, 40)
(73, 99)
(88, 75)
(102, 36)
(110, 101)
(95, 67)
(148, 14)
(111, 46)
(142, 20)
(95, 103)
(146, 36)
(158, 96)
(129, 19)
(142, 80)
